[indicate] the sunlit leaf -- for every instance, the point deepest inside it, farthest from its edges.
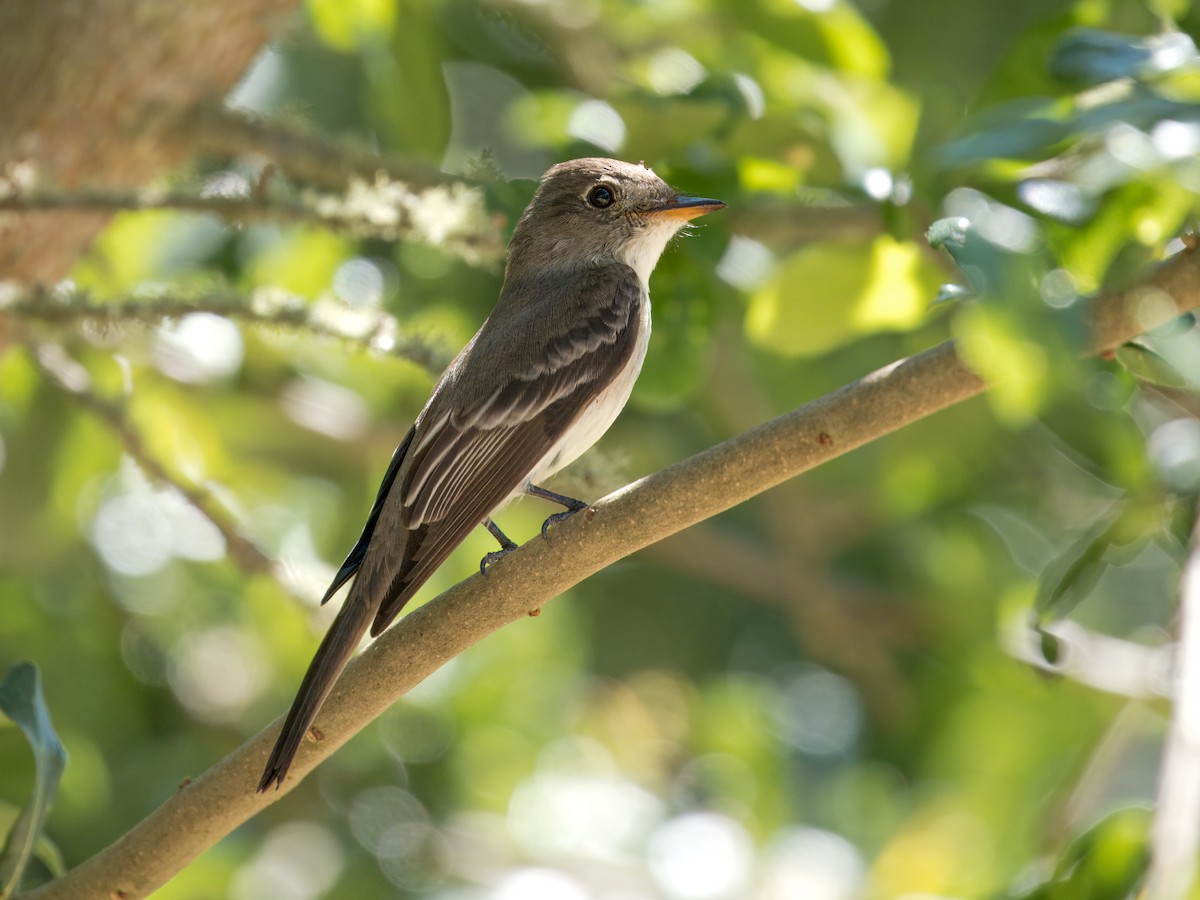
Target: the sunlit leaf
(1015, 368)
(1105, 862)
(829, 293)
(410, 66)
(1144, 211)
(837, 36)
(950, 233)
(767, 175)
(302, 261)
(344, 24)
(952, 293)
(139, 246)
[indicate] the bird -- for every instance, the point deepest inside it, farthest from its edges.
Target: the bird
(539, 383)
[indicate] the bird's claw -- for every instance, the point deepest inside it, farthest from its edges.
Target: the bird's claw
(490, 558)
(560, 516)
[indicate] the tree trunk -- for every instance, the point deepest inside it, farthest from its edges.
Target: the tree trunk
(92, 97)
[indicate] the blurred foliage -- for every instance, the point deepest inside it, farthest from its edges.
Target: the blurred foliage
(930, 669)
(21, 701)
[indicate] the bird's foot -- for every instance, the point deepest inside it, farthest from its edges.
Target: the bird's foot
(560, 516)
(490, 558)
(572, 505)
(507, 545)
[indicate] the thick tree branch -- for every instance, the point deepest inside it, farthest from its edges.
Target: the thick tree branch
(206, 809)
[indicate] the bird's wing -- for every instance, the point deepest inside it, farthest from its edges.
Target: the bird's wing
(464, 457)
(359, 550)
(466, 460)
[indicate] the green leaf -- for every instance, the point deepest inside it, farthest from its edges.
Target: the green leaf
(1019, 129)
(1051, 646)
(347, 24)
(1147, 365)
(883, 286)
(1105, 862)
(409, 65)
(1176, 346)
(992, 340)
(838, 37)
(1144, 212)
(46, 851)
(1073, 573)
(1089, 56)
(1068, 577)
(21, 700)
(998, 252)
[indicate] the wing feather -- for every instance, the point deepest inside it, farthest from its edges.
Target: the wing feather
(475, 457)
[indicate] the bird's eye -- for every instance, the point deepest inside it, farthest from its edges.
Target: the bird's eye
(601, 196)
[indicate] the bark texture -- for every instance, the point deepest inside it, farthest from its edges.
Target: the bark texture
(96, 95)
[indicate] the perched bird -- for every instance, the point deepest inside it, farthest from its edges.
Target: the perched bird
(537, 385)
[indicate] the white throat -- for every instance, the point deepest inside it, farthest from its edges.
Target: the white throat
(641, 254)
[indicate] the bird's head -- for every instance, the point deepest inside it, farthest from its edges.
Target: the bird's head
(588, 210)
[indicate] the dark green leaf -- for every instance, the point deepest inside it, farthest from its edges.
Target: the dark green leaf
(1025, 139)
(1146, 364)
(1088, 56)
(1051, 646)
(1068, 577)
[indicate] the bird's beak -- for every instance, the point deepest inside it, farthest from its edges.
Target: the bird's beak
(686, 208)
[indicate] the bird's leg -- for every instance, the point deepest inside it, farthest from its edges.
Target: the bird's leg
(572, 505)
(506, 545)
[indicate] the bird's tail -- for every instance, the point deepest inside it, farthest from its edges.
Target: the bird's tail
(335, 651)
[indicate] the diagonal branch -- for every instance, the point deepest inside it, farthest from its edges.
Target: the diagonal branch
(216, 802)
(244, 552)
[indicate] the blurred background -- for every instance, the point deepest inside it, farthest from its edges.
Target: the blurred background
(934, 668)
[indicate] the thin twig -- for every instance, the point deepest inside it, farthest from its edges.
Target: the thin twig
(377, 209)
(236, 208)
(245, 554)
(373, 330)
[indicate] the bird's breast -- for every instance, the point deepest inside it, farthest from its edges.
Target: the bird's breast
(602, 410)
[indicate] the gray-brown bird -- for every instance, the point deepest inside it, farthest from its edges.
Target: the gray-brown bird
(537, 385)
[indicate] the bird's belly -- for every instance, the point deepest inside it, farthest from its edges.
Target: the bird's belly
(599, 414)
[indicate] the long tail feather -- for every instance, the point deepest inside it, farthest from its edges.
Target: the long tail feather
(335, 651)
